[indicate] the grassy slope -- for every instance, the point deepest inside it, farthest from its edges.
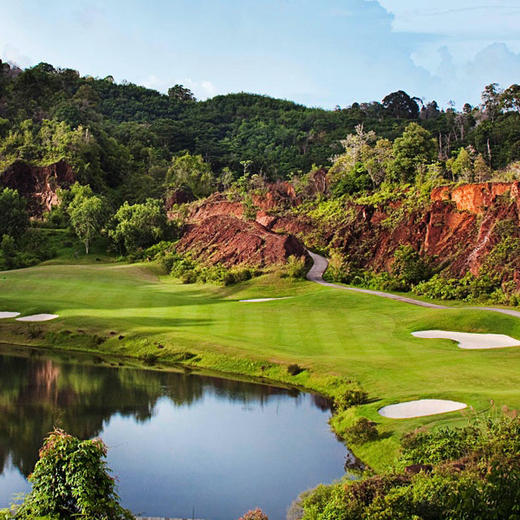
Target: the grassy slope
(332, 332)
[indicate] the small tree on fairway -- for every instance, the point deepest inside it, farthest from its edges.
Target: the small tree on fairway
(71, 480)
(87, 216)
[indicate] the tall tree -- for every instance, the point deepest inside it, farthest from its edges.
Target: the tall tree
(401, 105)
(181, 93)
(88, 215)
(413, 149)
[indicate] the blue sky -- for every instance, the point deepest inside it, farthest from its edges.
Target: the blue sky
(320, 53)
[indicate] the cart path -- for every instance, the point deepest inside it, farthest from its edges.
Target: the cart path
(320, 265)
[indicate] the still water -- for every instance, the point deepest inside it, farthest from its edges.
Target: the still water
(180, 444)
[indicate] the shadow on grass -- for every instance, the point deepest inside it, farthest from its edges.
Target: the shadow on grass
(122, 324)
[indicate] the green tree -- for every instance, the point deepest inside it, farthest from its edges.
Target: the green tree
(138, 225)
(192, 173)
(491, 100)
(401, 105)
(71, 480)
(409, 267)
(413, 149)
(88, 215)
(461, 166)
(482, 172)
(14, 218)
(181, 93)
(510, 98)
(7, 252)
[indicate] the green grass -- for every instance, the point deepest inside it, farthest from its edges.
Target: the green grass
(331, 332)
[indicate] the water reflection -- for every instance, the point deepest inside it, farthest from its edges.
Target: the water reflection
(135, 408)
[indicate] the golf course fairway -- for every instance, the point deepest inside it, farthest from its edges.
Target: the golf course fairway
(337, 336)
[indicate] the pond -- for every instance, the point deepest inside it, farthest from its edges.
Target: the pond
(180, 444)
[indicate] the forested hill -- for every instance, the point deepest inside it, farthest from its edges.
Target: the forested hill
(123, 136)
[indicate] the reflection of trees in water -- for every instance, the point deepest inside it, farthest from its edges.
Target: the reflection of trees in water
(38, 393)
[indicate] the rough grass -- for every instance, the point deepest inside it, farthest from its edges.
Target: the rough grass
(331, 333)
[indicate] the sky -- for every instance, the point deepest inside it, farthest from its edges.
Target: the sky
(320, 53)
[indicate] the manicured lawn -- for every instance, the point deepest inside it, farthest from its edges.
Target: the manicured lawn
(361, 337)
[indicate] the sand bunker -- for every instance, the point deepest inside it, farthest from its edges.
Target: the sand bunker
(38, 317)
(469, 340)
(258, 300)
(4, 315)
(420, 408)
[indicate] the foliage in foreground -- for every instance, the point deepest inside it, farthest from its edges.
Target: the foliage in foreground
(71, 480)
(447, 473)
(254, 514)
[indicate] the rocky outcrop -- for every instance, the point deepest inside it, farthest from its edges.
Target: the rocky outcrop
(38, 184)
(476, 198)
(457, 230)
(228, 240)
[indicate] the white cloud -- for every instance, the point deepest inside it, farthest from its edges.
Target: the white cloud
(467, 43)
(463, 18)
(13, 55)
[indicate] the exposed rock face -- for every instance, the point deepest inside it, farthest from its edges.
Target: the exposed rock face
(476, 198)
(216, 204)
(457, 230)
(38, 184)
(228, 240)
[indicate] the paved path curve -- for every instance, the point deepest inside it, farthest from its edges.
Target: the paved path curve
(320, 265)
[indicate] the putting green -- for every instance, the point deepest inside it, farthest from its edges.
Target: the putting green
(358, 336)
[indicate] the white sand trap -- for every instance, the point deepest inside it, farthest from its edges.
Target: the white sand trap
(420, 408)
(258, 300)
(470, 340)
(5, 315)
(38, 317)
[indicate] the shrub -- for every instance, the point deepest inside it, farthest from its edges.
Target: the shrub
(467, 288)
(71, 480)
(34, 331)
(295, 267)
(409, 267)
(361, 432)
(254, 514)
(139, 225)
(294, 369)
(475, 474)
(149, 358)
(249, 209)
(351, 397)
(189, 277)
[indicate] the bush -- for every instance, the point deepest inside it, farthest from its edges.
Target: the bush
(295, 267)
(294, 369)
(71, 480)
(254, 514)
(473, 473)
(361, 432)
(409, 267)
(467, 288)
(149, 358)
(189, 277)
(139, 226)
(351, 397)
